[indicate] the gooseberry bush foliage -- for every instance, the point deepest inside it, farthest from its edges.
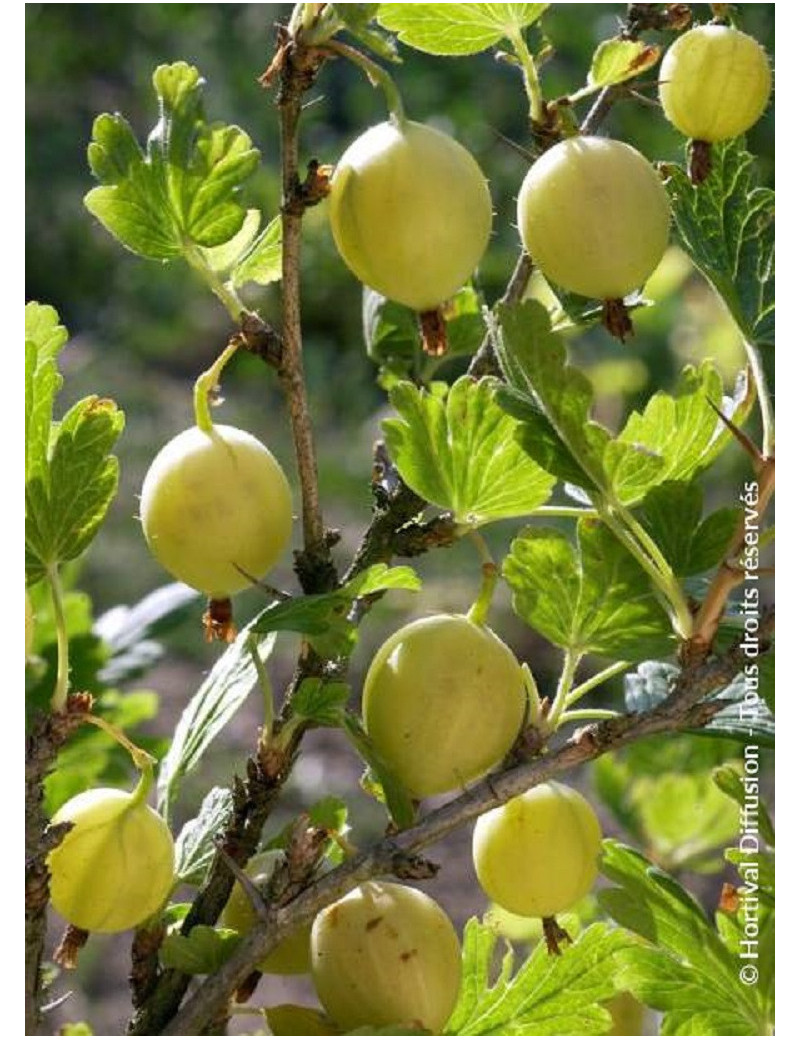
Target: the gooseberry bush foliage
(632, 552)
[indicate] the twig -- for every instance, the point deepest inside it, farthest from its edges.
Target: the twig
(679, 711)
(315, 571)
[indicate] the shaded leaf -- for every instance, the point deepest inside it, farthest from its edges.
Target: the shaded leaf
(730, 781)
(457, 29)
(727, 226)
(388, 789)
(194, 847)
(202, 952)
(321, 701)
(219, 697)
(460, 452)
(591, 599)
(325, 618)
(672, 516)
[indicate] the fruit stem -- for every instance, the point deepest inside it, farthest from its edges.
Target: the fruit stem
(479, 610)
(596, 680)
(529, 75)
(205, 384)
(59, 699)
(756, 363)
(142, 759)
(572, 658)
(378, 77)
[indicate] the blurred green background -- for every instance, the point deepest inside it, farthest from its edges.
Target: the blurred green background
(142, 332)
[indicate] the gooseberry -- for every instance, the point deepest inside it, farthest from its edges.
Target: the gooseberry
(292, 956)
(410, 213)
(714, 83)
(594, 215)
(444, 699)
(386, 954)
(114, 868)
(216, 509)
(537, 855)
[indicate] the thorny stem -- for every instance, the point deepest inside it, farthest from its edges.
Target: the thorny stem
(756, 363)
(205, 384)
(59, 699)
(292, 374)
(377, 76)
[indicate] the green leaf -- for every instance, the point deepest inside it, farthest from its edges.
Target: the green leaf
(553, 399)
(672, 516)
(223, 257)
(221, 694)
(182, 192)
(194, 847)
(66, 501)
(682, 430)
(548, 996)
(727, 226)
(460, 452)
(202, 952)
(595, 599)
(325, 618)
(617, 60)
(321, 701)
(457, 29)
(384, 785)
(393, 340)
(674, 438)
(44, 340)
(261, 263)
(688, 972)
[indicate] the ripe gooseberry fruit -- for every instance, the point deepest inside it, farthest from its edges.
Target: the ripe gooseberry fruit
(292, 956)
(714, 84)
(537, 855)
(386, 954)
(444, 699)
(114, 868)
(595, 217)
(215, 508)
(410, 212)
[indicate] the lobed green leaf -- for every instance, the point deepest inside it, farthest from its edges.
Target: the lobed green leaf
(547, 996)
(615, 61)
(457, 29)
(182, 192)
(460, 452)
